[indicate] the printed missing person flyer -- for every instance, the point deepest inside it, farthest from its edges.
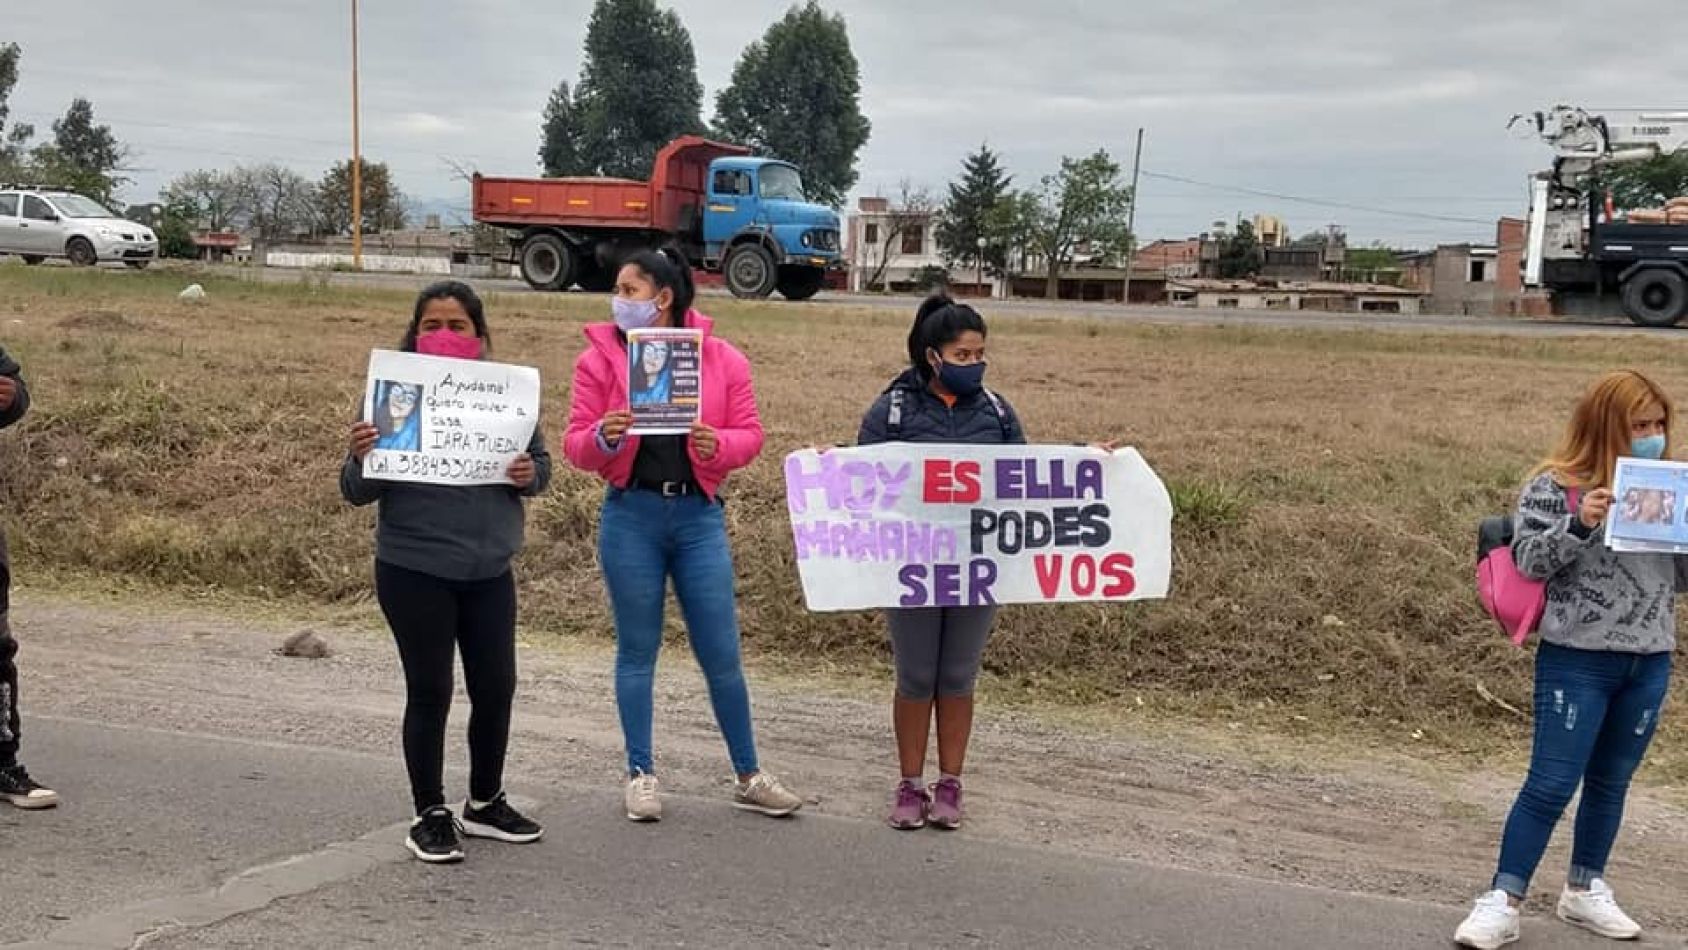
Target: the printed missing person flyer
(664, 380)
(1649, 507)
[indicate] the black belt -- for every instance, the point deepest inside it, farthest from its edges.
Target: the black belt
(666, 489)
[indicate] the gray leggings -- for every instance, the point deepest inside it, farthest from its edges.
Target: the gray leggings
(938, 649)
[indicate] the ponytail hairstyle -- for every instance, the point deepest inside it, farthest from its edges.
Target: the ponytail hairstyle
(667, 268)
(448, 290)
(939, 322)
(1600, 429)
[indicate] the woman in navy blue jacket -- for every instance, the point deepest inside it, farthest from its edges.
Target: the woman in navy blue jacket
(940, 398)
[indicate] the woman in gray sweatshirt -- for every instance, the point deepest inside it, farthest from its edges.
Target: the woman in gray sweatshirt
(1603, 666)
(442, 575)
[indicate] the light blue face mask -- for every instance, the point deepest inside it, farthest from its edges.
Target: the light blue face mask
(1649, 447)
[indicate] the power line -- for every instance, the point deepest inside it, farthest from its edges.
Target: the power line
(1319, 202)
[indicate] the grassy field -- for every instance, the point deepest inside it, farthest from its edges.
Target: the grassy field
(1327, 484)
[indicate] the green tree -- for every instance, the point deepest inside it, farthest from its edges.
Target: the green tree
(1087, 202)
(1650, 183)
(84, 156)
(175, 232)
(967, 215)
(638, 87)
(796, 95)
(1240, 254)
(1012, 225)
(13, 142)
(559, 137)
(383, 203)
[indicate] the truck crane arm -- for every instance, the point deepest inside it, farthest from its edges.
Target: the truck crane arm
(1611, 138)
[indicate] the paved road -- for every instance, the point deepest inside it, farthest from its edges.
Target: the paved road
(186, 840)
(1166, 316)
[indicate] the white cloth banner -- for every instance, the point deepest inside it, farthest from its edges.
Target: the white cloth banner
(933, 525)
(447, 421)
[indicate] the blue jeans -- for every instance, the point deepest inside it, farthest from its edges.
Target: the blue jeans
(1596, 712)
(643, 540)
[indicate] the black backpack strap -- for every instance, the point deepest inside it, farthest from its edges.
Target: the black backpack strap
(1001, 415)
(894, 415)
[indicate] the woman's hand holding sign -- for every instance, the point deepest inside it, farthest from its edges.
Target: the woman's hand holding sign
(615, 424)
(1595, 506)
(521, 471)
(705, 441)
(363, 439)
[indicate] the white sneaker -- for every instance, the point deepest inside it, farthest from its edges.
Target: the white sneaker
(643, 803)
(1492, 924)
(1597, 910)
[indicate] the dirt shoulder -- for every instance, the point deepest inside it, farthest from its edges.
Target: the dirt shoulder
(1167, 793)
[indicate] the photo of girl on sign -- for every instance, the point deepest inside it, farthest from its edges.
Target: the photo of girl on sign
(398, 416)
(652, 374)
(1649, 506)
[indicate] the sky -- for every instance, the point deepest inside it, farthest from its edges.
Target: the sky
(1388, 119)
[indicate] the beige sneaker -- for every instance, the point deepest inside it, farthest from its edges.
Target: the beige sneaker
(764, 793)
(643, 803)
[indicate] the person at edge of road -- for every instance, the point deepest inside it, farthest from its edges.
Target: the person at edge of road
(443, 579)
(662, 518)
(16, 786)
(940, 398)
(1603, 665)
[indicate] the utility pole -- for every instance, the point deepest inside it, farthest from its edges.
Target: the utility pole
(1131, 216)
(357, 154)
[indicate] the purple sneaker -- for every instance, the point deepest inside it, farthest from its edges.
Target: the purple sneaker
(946, 805)
(912, 804)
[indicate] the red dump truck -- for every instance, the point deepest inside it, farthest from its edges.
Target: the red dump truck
(731, 213)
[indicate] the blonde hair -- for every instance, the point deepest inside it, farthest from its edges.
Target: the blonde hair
(1600, 429)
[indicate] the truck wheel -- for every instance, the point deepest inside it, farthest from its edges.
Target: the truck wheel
(801, 283)
(547, 263)
(750, 271)
(1656, 297)
(81, 253)
(597, 280)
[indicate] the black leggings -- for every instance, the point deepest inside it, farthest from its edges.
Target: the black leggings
(429, 616)
(9, 727)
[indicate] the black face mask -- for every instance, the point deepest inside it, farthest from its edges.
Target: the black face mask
(965, 380)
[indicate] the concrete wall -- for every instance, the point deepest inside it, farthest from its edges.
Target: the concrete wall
(433, 261)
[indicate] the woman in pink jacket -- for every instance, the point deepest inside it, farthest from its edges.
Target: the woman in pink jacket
(662, 519)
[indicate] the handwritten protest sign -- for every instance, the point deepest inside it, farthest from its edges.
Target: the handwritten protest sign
(447, 421)
(664, 380)
(910, 525)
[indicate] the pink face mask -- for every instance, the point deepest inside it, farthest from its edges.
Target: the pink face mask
(445, 342)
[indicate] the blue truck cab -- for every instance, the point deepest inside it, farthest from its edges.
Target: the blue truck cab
(762, 232)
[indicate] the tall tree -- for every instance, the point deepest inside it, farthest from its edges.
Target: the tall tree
(967, 214)
(1240, 254)
(1087, 202)
(638, 87)
(84, 156)
(559, 137)
(1650, 183)
(1011, 225)
(795, 95)
(213, 200)
(383, 204)
(11, 142)
(283, 202)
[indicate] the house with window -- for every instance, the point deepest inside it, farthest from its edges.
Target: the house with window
(895, 249)
(1460, 279)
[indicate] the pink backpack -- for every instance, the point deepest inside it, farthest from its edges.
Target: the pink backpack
(1515, 601)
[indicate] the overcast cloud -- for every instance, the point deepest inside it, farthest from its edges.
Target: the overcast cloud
(1398, 106)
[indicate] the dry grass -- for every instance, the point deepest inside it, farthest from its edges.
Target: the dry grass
(1327, 483)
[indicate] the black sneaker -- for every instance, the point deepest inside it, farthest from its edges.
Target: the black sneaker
(18, 788)
(497, 820)
(433, 837)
